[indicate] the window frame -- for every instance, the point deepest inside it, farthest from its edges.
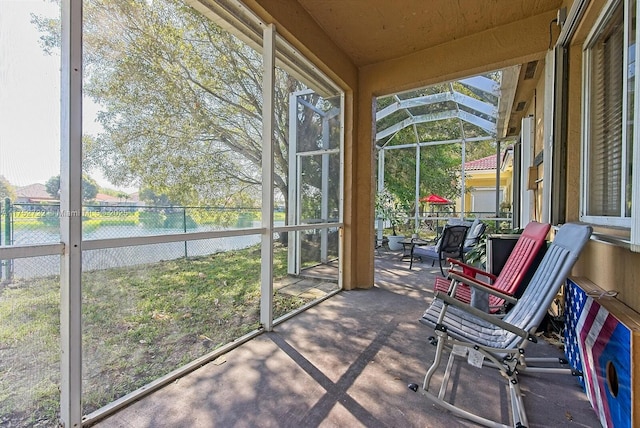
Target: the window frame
(622, 220)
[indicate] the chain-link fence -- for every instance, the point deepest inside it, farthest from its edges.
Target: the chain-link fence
(39, 223)
(146, 309)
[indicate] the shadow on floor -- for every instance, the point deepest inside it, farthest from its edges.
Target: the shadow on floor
(346, 363)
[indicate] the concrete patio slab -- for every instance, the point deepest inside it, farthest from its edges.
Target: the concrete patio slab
(346, 363)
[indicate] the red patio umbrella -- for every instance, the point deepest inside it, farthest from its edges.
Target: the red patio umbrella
(435, 199)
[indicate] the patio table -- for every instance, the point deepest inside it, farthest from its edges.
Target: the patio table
(409, 243)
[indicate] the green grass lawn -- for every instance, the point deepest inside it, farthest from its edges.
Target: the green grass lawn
(139, 323)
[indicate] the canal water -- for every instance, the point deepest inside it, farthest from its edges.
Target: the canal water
(124, 256)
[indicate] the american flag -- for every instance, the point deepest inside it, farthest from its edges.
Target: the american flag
(599, 345)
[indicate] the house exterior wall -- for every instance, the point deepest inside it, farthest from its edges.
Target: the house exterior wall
(487, 179)
(609, 266)
(535, 109)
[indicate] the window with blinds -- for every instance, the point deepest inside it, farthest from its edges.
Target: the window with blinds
(609, 83)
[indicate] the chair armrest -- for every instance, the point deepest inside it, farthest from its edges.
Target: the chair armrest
(469, 280)
(485, 316)
(472, 282)
(419, 242)
(468, 269)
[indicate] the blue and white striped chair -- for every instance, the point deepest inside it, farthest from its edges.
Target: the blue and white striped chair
(501, 341)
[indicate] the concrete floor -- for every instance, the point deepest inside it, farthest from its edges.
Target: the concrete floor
(346, 363)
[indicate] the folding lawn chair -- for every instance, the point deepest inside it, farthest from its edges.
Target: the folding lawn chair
(480, 336)
(504, 288)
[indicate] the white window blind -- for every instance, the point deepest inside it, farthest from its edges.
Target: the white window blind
(611, 145)
(606, 144)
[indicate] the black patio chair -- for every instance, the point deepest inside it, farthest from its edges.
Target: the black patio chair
(450, 245)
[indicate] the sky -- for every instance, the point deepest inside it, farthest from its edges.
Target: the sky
(30, 99)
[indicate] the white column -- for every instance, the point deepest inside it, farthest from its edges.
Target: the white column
(547, 153)
(635, 173)
(71, 215)
(526, 195)
(380, 226)
(266, 270)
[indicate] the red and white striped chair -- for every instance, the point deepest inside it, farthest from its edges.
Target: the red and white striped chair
(503, 289)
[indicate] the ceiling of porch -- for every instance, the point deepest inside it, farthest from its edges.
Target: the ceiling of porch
(380, 30)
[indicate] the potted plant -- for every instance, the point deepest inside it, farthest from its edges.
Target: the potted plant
(478, 255)
(390, 209)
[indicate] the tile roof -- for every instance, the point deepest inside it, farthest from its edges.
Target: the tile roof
(488, 162)
(102, 197)
(34, 191)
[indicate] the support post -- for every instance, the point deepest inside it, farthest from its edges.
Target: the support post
(7, 221)
(184, 229)
(8, 274)
(71, 215)
(380, 227)
(498, 167)
(266, 272)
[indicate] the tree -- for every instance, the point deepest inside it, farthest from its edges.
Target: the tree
(89, 187)
(481, 149)
(182, 102)
(154, 199)
(53, 186)
(122, 196)
(6, 189)
(390, 208)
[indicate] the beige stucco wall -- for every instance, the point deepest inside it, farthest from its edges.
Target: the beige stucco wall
(538, 149)
(535, 109)
(609, 266)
